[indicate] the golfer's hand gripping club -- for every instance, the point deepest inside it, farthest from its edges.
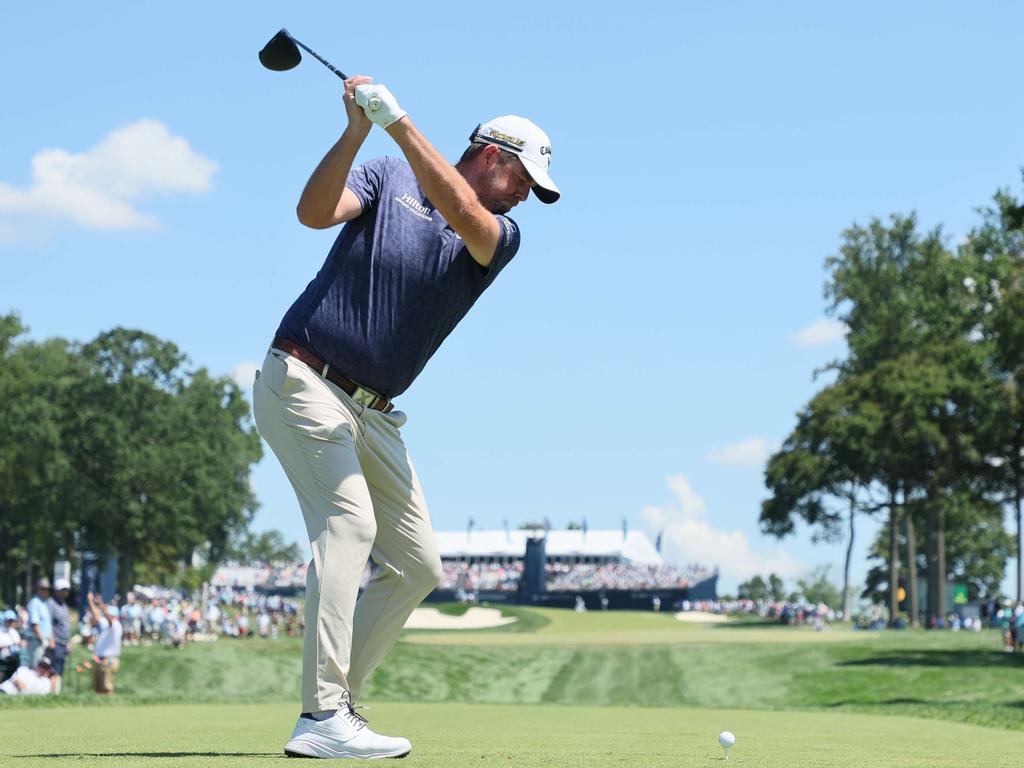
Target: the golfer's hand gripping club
(379, 104)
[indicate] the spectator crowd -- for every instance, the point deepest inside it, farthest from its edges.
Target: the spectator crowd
(468, 579)
(35, 642)
(36, 639)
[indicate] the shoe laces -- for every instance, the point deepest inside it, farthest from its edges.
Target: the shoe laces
(348, 712)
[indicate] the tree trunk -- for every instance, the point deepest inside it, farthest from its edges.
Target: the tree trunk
(894, 559)
(28, 570)
(940, 563)
(126, 570)
(930, 554)
(911, 564)
(847, 598)
(1019, 493)
(936, 564)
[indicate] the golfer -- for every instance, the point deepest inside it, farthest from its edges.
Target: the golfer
(422, 240)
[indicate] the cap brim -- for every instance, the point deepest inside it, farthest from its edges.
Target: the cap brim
(545, 189)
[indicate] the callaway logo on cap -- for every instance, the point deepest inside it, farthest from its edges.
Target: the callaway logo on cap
(523, 138)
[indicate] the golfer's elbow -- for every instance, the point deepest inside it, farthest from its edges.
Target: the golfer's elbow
(310, 217)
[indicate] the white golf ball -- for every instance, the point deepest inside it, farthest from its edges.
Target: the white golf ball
(726, 739)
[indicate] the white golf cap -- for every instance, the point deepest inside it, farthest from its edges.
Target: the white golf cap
(60, 584)
(523, 138)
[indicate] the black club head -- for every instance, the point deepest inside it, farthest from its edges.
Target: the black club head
(281, 53)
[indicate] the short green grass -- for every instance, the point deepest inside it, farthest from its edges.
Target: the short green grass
(456, 735)
(564, 689)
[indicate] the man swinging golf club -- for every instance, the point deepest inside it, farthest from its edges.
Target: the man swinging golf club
(422, 240)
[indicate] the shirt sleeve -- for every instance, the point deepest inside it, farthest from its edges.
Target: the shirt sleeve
(508, 245)
(35, 612)
(367, 180)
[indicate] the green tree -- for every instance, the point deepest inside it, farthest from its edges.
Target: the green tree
(753, 589)
(162, 454)
(816, 587)
(828, 458)
(776, 591)
(911, 343)
(976, 557)
(36, 484)
(266, 547)
(994, 251)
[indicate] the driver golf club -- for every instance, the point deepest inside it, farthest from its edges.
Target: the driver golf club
(281, 53)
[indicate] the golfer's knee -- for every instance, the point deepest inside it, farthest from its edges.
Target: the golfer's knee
(425, 575)
(355, 530)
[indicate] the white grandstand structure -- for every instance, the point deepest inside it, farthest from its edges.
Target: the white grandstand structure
(567, 546)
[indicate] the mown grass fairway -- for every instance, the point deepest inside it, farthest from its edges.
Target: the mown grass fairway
(451, 735)
(565, 689)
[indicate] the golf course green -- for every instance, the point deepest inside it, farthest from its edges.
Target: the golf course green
(557, 688)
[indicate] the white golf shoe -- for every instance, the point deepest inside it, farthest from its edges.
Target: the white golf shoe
(344, 734)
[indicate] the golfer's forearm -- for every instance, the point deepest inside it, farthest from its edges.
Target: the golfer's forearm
(444, 185)
(318, 204)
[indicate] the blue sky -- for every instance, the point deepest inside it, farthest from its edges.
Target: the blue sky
(661, 324)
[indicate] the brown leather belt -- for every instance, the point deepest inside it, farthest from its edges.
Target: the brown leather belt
(360, 394)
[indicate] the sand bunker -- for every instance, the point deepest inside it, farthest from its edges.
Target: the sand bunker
(699, 617)
(474, 618)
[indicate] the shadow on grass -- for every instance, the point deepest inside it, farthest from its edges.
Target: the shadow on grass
(925, 702)
(750, 624)
(153, 754)
(940, 658)
(883, 702)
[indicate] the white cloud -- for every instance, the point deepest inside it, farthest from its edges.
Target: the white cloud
(822, 331)
(244, 373)
(752, 452)
(97, 189)
(690, 538)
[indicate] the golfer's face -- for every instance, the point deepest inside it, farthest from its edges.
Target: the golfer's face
(509, 184)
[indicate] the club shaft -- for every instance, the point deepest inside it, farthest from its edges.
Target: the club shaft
(320, 58)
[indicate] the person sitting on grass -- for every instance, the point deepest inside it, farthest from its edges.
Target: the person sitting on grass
(10, 644)
(30, 682)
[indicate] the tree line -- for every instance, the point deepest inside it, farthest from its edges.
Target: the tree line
(119, 446)
(922, 421)
(815, 587)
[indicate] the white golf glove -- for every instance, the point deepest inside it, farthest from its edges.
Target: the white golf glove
(379, 104)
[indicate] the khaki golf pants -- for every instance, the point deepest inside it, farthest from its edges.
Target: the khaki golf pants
(360, 497)
(103, 674)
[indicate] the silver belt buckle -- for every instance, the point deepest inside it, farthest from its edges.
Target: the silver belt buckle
(364, 397)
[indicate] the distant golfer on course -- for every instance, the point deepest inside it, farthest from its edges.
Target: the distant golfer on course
(422, 240)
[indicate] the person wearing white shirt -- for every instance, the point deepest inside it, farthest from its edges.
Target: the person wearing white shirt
(30, 682)
(108, 643)
(10, 644)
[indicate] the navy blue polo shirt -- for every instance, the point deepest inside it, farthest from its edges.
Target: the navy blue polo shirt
(396, 282)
